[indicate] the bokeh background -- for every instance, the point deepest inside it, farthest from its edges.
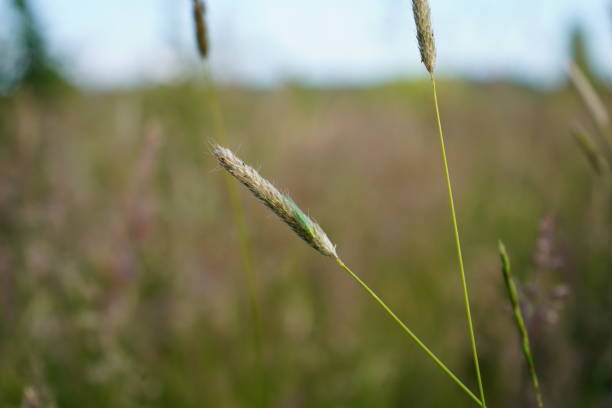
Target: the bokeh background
(121, 280)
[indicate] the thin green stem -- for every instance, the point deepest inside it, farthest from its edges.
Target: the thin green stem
(410, 333)
(242, 232)
(520, 323)
(466, 296)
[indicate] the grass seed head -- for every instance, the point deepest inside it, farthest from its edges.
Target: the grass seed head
(427, 45)
(589, 96)
(200, 28)
(591, 151)
(281, 204)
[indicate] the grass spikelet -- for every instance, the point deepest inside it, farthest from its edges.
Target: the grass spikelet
(427, 45)
(279, 203)
(591, 100)
(200, 27)
(520, 323)
(591, 151)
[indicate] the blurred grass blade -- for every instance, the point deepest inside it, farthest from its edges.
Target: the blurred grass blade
(240, 224)
(591, 151)
(518, 318)
(201, 34)
(591, 100)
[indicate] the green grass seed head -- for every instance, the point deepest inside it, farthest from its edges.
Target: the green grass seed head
(519, 320)
(279, 203)
(425, 37)
(507, 274)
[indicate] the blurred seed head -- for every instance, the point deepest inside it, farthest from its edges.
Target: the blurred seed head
(201, 33)
(30, 398)
(34, 398)
(427, 45)
(281, 204)
(546, 256)
(589, 97)
(591, 151)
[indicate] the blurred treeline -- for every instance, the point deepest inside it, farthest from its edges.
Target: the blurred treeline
(121, 283)
(25, 58)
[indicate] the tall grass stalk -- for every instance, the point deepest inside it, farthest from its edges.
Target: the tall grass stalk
(313, 234)
(520, 322)
(451, 201)
(244, 240)
(244, 243)
(427, 48)
(409, 332)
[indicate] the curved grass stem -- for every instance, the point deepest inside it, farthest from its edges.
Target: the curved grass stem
(410, 333)
(466, 296)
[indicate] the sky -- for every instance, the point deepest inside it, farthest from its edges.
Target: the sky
(115, 43)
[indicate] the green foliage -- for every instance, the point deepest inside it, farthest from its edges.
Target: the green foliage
(34, 68)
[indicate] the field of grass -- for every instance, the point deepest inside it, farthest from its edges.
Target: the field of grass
(121, 283)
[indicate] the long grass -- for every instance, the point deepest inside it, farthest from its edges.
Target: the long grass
(466, 296)
(244, 241)
(520, 322)
(591, 151)
(409, 332)
(427, 48)
(220, 134)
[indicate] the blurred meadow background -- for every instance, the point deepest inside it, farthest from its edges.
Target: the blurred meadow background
(121, 281)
